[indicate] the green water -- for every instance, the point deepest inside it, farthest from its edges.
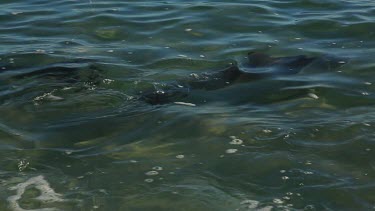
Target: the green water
(81, 140)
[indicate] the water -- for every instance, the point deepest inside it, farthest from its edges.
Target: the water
(80, 140)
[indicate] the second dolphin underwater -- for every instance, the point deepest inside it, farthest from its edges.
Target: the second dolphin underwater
(259, 66)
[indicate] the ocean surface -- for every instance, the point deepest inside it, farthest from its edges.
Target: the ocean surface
(74, 134)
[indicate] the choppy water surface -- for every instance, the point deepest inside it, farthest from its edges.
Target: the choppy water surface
(80, 140)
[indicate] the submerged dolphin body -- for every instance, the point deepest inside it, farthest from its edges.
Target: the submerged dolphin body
(259, 66)
(83, 74)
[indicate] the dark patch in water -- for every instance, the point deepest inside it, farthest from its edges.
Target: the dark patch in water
(259, 66)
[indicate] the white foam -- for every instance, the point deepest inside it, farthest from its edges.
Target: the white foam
(254, 205)
(185, 104)
(231, 151)
(157, 168)
(47, 194)
(149, 180)
(251, 204)
(180, 156)
(236, 141)
(278, 201)
(152, 173)
(313, 96)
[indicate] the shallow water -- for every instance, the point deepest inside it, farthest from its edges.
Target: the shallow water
(82, 141)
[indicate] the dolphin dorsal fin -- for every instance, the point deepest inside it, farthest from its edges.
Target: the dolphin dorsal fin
(257, 59)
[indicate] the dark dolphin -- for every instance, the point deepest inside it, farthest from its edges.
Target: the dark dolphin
(259, 66)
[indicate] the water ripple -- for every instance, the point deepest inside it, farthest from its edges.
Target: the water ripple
(72, 73)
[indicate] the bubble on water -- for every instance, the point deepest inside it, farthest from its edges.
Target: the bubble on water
(282, 171)
(152, 173)
(308, 162)
(40, 51)
(202, 56)
(236, 141)
(133, 161)
(110, 51)
(313, 96)
(367, 83)
(289, 193)
(267, 131)
(95, 207)
(232, 137)
(365, 93)
(157, 168)
(68, 152)
(231, 151)
(342, 62)
(67, 88)
(309, 207)
(149, 180)
(16, 13)
(180, 156)
(188, 30)
(182, 56)
(366, 124)
(284, 177)
(308, 172)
